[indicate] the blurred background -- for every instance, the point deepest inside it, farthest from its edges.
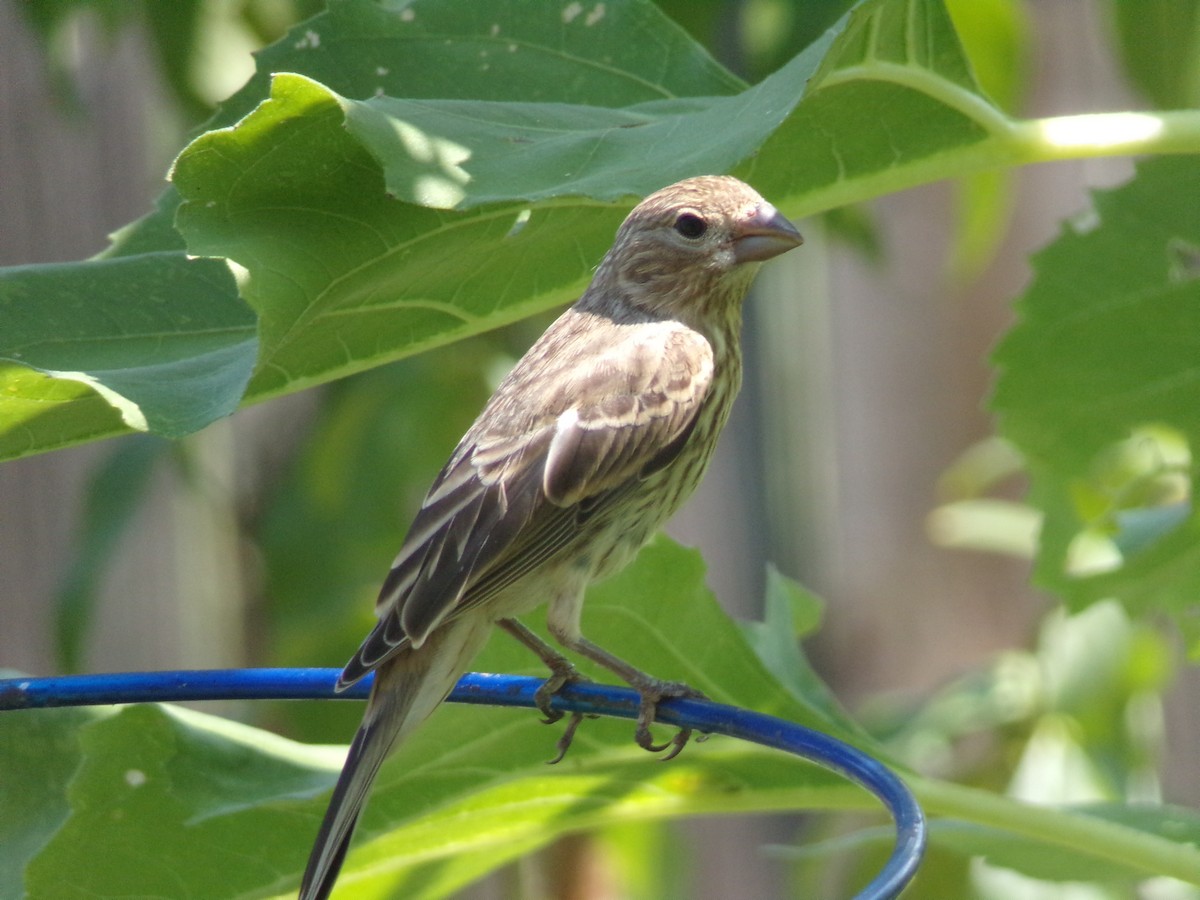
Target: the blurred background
(262, 540)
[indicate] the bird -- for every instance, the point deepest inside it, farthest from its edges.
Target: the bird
(590, 443)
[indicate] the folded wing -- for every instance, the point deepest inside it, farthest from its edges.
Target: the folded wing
(540, 461)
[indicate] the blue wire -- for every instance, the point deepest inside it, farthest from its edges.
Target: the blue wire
(511, 690)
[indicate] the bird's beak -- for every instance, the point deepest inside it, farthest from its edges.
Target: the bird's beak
(764, 235)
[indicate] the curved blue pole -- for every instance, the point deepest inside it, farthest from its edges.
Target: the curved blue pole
(510, 690)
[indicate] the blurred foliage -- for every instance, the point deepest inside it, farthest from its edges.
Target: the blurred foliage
(195, 42)
(115, 492)
(1159, 42)
(995, 36)
(1096, 389)
(1095, 394)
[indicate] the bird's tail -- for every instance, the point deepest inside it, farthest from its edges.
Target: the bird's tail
(408, 687)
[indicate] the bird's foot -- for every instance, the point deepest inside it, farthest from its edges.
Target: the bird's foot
(652, 692)
(562, 673)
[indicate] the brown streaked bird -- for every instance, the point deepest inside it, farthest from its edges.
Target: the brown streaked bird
(591, 442)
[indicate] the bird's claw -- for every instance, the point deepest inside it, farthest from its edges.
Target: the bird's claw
(676, 743)
(651, 690)
(652, 693)
(562, 674)
(564, 743)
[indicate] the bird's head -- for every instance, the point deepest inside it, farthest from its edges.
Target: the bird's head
(695, 244)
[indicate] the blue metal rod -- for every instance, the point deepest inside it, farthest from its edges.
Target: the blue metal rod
(511, 690)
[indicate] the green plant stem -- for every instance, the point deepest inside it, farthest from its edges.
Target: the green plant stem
(1103, 134)
(1012, 143)
(1135, 849)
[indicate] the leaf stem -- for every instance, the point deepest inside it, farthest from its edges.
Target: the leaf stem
(1104, 134)
(1018, 143)
(970, 103)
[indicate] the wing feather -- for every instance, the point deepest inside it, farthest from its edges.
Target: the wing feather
(535, 467)
(599, 445)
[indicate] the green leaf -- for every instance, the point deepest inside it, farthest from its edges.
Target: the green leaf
(632, 55)
(166, 802)
(39, 752)
(362, 49)
(1105, 341)
(344, 278)
(157, 790)
(458, 49)
(459, 154)
(792, 613)
(1105, 348)
(162, 338)
(537, 128)
(307, 192)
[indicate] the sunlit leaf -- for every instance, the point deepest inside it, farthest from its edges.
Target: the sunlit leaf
(539, 126)
(200, 791)
(162, 338)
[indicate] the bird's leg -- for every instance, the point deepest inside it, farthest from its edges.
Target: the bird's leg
(562, 672)
(651, 689)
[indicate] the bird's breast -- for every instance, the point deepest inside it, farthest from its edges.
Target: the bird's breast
(659, 496)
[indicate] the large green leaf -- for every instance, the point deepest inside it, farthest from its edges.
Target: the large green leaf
(539, 126)
(634, 55)
(39, 754)
(157, 791)
(1106, 348)
(416, 175)
(373, 228)
(163, 802)
(153, 801)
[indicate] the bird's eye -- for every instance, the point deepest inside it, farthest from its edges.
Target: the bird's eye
(691, 226)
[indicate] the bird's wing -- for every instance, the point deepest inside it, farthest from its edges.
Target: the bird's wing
(540, 460)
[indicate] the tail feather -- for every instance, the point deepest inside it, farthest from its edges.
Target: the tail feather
(366, 755)
(408, 687)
